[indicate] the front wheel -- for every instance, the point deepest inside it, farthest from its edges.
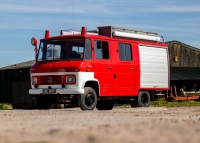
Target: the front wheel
(88, 100)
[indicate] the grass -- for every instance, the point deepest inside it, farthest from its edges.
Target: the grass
(161, 102)
(5, 106)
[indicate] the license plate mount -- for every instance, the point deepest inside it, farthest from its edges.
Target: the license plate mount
(48, 91)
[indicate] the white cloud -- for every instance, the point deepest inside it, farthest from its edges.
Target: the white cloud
(57, 7)
(117, 7)
(174, 9)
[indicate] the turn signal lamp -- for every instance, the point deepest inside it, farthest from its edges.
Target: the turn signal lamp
(77, 70)
(34, 80)
(72, 70)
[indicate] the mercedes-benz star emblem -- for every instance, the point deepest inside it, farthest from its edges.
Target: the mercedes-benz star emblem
(49, 79)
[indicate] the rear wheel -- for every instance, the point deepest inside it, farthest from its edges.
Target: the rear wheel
(88, 100)
(105, 104)
(143, 99)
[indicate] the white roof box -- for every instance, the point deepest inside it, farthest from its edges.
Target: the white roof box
(73, 32)
(69, 32)
(112, 31)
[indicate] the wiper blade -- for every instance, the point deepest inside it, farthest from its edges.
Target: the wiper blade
(68, 59)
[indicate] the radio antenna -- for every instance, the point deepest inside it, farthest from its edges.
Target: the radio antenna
(72, 15)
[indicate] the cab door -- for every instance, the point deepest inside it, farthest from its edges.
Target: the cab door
(126, 67)
(103, 68)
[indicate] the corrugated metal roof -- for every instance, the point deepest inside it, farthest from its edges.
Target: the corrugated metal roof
(19, 65)
(184, 73)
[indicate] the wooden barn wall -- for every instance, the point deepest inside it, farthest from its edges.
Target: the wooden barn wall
(20, 95)
(5, 83)
(7, 77)
(187, 57)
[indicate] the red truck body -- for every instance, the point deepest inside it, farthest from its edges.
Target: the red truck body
(115, 63)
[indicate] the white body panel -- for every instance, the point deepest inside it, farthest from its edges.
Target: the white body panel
(77, 88)
(154, 69)
(136, 36)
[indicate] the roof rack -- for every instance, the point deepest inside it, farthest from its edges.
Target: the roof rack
(112, 31)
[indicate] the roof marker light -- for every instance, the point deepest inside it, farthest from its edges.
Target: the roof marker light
(83, 31)
(47, 34)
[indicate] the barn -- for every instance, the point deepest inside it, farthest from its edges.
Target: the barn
(184, 66)
(14, 85)
(184, 74)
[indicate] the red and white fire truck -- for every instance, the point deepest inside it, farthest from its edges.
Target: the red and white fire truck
(96, 68)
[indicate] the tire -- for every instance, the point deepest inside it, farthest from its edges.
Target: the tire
(143, 99)
(133, 103)
(88, 100)
(42, 102)
(105, 104)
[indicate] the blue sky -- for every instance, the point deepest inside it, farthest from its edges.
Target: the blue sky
(23, 19)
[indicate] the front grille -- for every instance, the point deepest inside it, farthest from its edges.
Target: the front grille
(51, 79)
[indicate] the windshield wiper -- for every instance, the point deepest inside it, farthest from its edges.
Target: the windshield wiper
(68, 59)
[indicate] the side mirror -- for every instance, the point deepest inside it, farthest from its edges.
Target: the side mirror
(34, 41)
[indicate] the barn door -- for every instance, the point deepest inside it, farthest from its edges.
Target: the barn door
(20, 95)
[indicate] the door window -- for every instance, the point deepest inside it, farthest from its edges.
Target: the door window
(125, 53)
(101, 49)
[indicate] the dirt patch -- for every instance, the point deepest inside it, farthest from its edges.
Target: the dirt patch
(127, 125)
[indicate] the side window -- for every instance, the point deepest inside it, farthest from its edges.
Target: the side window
(125, 53)
(101, 49)
(88, 50)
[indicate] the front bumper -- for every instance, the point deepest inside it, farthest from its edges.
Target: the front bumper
(58, 91)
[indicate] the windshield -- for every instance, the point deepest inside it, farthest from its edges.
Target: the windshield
(61, 49)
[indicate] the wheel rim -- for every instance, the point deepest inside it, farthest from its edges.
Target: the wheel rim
(144, 99)
(89, 99)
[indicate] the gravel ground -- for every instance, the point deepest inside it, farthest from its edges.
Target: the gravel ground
(120, 125)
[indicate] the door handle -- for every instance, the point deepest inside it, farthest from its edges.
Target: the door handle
(108, 67)
(131, 68)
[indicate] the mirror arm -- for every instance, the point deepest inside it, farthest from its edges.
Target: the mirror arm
(36, 53)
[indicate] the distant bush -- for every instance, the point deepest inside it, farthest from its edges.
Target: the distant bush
(162, 102)
(5, 106)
